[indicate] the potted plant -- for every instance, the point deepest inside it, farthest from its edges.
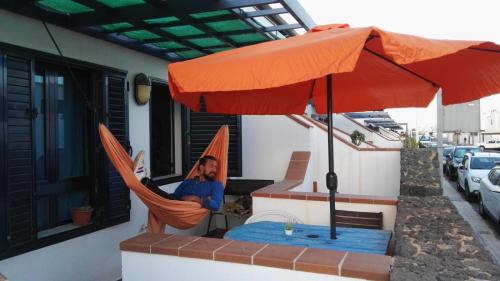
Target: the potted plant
(81, 215)
(357, 137)
(288, 228)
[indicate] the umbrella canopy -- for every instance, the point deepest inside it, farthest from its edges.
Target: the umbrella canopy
(373, 70)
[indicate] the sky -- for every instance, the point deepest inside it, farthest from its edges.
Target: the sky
(439, 19)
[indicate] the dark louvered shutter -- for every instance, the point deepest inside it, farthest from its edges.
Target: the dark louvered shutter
(203, 127)
(19, 190)
(117, 195)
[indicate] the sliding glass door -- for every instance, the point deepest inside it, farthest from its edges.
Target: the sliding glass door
(61, 138)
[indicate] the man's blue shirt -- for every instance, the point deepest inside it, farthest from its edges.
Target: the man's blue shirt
(205, 189)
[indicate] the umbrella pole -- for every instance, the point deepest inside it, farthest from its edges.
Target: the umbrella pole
(331, 177)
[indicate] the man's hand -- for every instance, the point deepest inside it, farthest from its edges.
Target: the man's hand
(192, 198)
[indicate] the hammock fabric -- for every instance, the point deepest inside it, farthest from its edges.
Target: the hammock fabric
(162, 211)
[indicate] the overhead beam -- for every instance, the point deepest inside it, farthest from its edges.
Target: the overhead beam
(167, 37)
(130, 45)
(188, 20)
(142, 24)
(298, 12)
(256, 28)
(266, 12)
(282, 27)
(170, 8)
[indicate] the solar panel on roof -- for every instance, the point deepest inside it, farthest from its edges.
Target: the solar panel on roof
(183, 30)
(169, 45)
(247, 38)
(115, 26)
(206, 42)
(190, 54)
(65, 6)
(162, 20)
(120, 3)
(228, 25)
(141, 34)
(211, 14)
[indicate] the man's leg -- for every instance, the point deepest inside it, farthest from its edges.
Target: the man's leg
(153, 187)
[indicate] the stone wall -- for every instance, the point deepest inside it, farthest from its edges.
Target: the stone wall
(420, 172)
(432, 241)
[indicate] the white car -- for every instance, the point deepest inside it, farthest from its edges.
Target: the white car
(491, 144)
(489, 196)
(474, 167)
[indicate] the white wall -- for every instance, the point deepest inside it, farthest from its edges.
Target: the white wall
(348, 125)
(152, 267)
(95, 256)
(267, 145)
(318, 212)
(358, 172)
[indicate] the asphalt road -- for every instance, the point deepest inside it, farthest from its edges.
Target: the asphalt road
(475, 206)
(484, 229)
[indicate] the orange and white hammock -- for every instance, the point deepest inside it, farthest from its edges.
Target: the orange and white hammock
(162, 211)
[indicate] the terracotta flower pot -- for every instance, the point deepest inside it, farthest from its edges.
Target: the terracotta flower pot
(81, 215)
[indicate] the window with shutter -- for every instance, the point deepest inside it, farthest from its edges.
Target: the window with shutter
(116, 194)
(48, 144)
(20, 209)
(3, 160)
(162, 137)
(202, 127)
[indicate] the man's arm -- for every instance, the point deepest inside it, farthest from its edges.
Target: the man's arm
(214, 201)
(180, 190)
(179, 193)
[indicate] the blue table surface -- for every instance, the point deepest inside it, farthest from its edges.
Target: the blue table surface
(370, 241)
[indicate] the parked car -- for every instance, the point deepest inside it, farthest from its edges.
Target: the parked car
(489, 196)
(426, 141)
(446, 151)
(455, 158)
(491, 144)
(474, 167)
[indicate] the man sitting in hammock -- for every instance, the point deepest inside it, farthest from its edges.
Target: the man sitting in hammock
(203, 189)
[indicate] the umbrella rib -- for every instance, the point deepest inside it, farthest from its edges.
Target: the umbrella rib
(400, 66)
(484, 50)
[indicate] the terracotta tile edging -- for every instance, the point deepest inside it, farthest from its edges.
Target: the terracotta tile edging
(298, 257)
(380, 271)
(282, 192)
(256, 253)
(221, 247)
(341, 263)
(185, 245)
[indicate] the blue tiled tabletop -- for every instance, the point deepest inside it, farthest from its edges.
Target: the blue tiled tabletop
(370, 241)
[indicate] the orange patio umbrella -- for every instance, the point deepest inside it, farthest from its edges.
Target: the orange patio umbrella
(341, 69)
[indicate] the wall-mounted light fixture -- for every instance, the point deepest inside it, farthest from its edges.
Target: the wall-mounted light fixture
(142, 87)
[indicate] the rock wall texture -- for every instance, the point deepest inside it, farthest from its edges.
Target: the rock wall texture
(432, 241)
(420, 172)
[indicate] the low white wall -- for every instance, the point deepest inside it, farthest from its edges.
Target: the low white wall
(387, 141)
(345, 124)
(318, 212)
(267, 145)
(359, 172)
(152, 267)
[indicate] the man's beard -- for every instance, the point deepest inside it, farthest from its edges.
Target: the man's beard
(209, 176)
